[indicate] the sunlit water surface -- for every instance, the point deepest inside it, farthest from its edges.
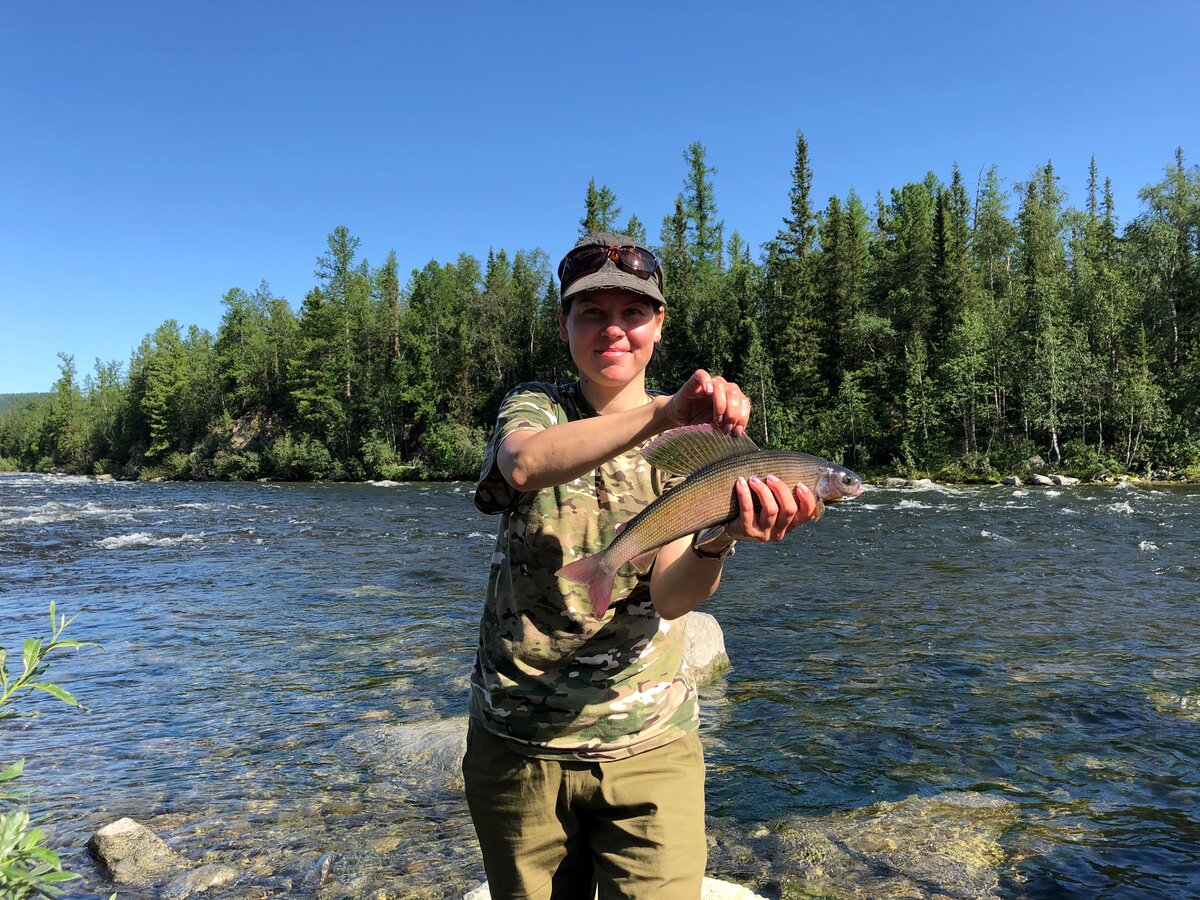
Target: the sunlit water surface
(1037, 647)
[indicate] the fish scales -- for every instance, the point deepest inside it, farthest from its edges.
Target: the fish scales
(713, 462)
(707, 498)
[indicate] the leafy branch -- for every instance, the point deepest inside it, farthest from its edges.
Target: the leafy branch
(33, 658)
(28, 868)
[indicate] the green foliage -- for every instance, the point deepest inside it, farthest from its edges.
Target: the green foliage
(453, 450)
(299, 459)
(28, 868)
(930, 331)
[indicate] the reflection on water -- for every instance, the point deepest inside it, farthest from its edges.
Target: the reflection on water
(947, 690)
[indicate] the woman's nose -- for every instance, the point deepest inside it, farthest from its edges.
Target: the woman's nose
(613, 328)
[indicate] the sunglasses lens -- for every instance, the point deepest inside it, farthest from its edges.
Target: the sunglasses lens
(637, 261)
(634, 260)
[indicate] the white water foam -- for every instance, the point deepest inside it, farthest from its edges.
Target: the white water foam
(913, 504)
(992, 536)
(54, 511)
(1148, 547)
(1122, 508)
(145, 539)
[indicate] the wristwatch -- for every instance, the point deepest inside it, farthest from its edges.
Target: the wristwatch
(706, 535)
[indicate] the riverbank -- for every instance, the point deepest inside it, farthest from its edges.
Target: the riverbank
(1036, 479)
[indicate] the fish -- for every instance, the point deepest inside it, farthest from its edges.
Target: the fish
(713, 461)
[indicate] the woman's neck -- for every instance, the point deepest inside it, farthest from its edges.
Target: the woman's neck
(605, 399)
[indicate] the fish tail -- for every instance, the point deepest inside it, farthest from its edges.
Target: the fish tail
(593, 576)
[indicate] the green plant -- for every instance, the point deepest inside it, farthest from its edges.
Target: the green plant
(28, 868)
(452, 450)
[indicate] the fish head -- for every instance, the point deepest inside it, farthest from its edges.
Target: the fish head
(838, 483)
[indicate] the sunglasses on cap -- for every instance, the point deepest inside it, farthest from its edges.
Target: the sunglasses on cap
(584, 260)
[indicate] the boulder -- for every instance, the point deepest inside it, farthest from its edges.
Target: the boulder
(429, 748)
(1012, 481)
(199, 880)
(132, 853)
(105, 479)
(711, 889)
(949, 845)
(1041, 480)
(704, 646)
(1065, 480)
(894, 482)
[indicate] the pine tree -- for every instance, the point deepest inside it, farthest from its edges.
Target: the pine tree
(600, 210)
(794, 338)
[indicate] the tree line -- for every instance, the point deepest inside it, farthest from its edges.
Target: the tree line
(941, 329)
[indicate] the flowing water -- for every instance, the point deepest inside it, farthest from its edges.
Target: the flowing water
(1009, 674)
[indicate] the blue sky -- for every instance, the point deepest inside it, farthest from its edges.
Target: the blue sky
(156, 155)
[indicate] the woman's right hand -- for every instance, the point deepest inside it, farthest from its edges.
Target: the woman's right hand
(709, 399)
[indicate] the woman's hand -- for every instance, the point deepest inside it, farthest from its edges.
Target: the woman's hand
(779, 509)
(710, 399)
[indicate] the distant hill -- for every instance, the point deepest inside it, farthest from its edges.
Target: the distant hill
(12, 401)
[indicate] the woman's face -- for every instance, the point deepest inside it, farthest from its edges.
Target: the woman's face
(611, 334)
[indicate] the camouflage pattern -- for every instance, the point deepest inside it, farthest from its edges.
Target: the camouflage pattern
(549, 677)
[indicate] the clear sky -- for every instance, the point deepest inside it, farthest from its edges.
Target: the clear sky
(155, 155)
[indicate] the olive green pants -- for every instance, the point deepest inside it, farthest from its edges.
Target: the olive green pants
(554, 830)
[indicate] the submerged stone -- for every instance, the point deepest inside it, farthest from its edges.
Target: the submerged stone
(132, 853)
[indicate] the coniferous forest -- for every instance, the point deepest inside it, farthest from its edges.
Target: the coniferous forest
(944, 329)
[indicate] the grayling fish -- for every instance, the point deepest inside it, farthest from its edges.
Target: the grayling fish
(713, 461)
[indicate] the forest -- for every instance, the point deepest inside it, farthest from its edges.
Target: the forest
(940, 330)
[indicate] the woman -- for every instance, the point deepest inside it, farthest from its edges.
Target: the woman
(583, 766)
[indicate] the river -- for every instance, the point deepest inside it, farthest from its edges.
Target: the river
(1014, 671)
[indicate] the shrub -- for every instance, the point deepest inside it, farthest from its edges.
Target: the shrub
(243, 465)
(451, 450)
(1084, 461)
(305, 459)
(28, 868)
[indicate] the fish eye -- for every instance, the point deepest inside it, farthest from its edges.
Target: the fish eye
(848, 479)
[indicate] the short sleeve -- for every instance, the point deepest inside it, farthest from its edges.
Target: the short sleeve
(528, 407)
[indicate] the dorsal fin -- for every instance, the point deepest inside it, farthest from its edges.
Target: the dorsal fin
(681, 451)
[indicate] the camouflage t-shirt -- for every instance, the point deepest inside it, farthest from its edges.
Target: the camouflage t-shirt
(549, 676)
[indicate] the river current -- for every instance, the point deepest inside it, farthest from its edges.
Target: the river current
(1012, 674)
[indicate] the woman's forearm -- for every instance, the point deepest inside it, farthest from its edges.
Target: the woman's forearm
(531, 460)
(681, 580)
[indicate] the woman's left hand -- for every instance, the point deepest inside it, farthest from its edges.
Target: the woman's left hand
(780, 509)
(709, 399)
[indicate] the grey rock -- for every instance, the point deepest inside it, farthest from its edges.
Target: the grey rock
(132, 853)
(950, 845)
(199, 880)
(1036, 462)
(431, 749)
(894, 482)
(1012, 481)
(704, 646)
(1065, 480)
(711, 889)
(1041, 480)
(105, 479)
(318, 873)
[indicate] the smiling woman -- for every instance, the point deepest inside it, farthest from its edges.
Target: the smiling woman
(583, 765)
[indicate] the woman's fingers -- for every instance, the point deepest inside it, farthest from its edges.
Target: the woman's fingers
(769, 510)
